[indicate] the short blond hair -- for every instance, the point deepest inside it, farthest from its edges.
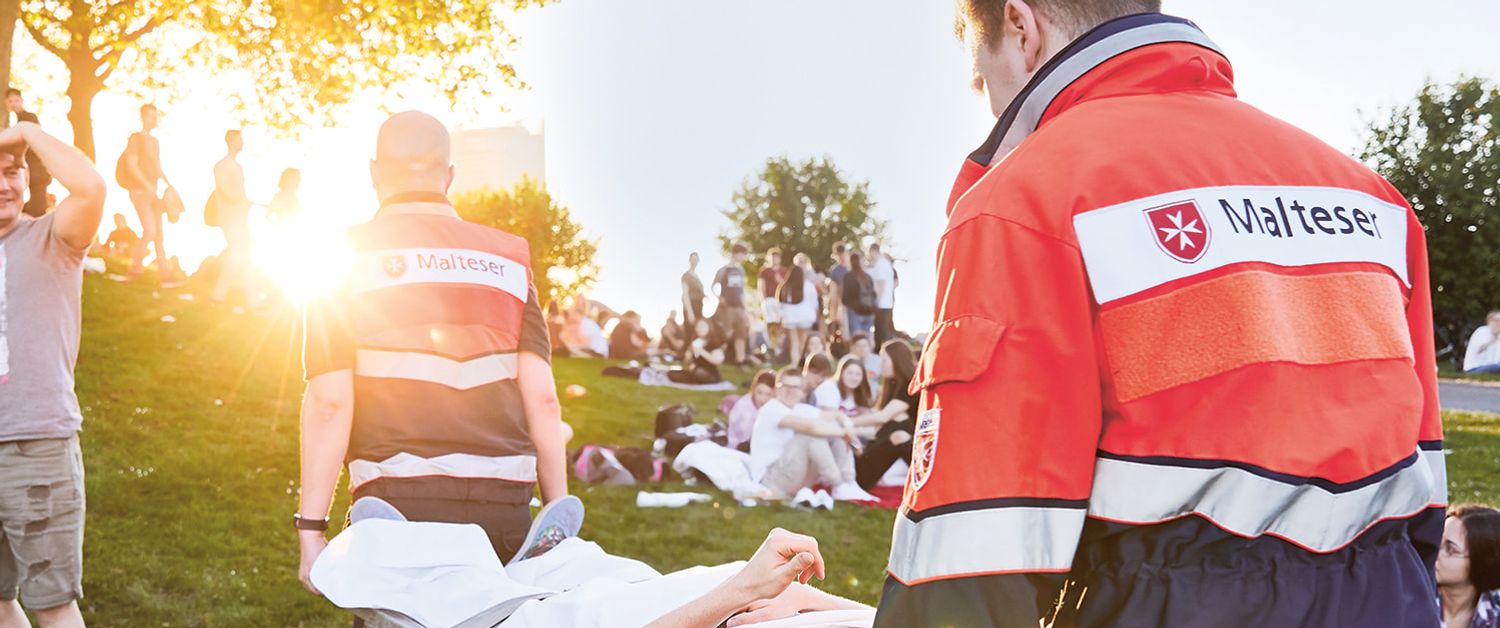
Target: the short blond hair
(986, 17)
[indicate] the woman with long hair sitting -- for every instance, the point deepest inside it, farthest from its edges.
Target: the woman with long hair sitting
(1468, 568)
(895, 415)
(854, 387)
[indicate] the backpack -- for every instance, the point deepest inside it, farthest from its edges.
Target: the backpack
(211, 209)
(865, 287)
(670, 418)
(596, 464)
(123, 175)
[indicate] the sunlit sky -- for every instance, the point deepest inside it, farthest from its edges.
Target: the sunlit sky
(655, 111)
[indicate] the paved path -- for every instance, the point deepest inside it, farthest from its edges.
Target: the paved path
(1465, 396)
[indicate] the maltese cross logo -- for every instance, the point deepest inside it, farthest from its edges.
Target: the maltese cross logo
(395, 265)
(1180, 230)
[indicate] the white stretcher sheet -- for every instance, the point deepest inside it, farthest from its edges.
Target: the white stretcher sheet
(442, 574)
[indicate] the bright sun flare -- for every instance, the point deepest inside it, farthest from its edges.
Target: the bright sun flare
(303, 258)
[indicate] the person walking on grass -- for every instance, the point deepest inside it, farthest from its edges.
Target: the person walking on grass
(41, 464)
(139, 172)
(428, 373)
(233, 205)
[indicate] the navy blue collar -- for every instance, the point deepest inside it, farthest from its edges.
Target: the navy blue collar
(1104, 42)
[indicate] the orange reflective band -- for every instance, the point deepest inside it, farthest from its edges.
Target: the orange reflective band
(1253, 317)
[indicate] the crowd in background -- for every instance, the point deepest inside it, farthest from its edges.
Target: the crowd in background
(836, 419)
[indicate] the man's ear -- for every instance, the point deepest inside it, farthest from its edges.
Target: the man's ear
(1023, 29)
(449, 182)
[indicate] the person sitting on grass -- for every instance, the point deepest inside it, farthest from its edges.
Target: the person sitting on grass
(1468, 567)
(862, 346)
(705, 353)
(814, 344)
(671, 343)
(122, 239)
(582, 336)
(628, 340)
(895, 416)
(1483, 355)
(742, 415)
(796, 446)
(854, 388)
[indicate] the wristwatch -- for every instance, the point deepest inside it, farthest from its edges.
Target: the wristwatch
(316, 525)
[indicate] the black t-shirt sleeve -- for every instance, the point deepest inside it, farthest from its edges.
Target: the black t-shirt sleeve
(327, 337)
(534, 336)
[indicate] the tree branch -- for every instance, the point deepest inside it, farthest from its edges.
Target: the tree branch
(114, 49)
(41, 39)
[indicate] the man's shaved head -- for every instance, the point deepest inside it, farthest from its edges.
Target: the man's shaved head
(412, 154)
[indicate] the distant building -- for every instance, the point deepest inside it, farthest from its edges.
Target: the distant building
(497, 157)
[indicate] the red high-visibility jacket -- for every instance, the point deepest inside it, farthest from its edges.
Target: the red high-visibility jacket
(1156, 302)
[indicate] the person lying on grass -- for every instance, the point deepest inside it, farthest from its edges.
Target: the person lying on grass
(389, 569)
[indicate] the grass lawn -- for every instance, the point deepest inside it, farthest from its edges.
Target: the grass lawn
(190, 441)
(1449, 370)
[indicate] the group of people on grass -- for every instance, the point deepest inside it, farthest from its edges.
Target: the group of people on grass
(822, 427)
(776, 320)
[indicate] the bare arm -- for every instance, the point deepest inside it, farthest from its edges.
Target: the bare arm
(825, 425)
(78, 215)
(785, 558)
(544, 422)
(894, 409)
(327, 417)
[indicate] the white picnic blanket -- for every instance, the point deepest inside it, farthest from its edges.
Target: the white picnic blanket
(651, 376)
(728, 469)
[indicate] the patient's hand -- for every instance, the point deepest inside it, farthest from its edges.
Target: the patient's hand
(782, 559)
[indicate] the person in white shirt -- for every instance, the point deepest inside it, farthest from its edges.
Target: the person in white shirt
(1483, 355)
(795, 445)
(817, 373)
(884, 274)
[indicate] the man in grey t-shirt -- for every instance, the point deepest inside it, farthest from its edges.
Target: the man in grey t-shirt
(41, 466)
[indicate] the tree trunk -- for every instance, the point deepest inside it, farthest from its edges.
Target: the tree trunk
(83, 85)
(10, 10)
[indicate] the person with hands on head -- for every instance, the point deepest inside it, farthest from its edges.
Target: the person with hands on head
(394, 390)
(42, 264)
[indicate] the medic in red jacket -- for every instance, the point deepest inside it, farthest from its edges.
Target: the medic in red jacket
(1182, 369)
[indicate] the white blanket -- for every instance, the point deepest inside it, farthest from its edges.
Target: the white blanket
(653, 377)
(728, 469)
(442, 574)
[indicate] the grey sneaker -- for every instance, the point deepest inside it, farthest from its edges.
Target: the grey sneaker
(556, 522)
(373, 508)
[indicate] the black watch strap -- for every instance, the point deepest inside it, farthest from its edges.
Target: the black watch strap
(316, 525)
